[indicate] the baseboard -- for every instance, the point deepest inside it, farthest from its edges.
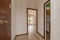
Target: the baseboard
(15, 38)
(20, 35)
(40, 35)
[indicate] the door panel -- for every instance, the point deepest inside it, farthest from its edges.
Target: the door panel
(7, 28)
(5, 19)
(2, 35)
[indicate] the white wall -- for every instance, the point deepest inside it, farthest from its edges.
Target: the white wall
(21, 15)
(41, 17)
(13, 26)
(21, 20)
(55, 19)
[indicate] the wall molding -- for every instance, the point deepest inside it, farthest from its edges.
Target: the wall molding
(15, 38)
(40, 34)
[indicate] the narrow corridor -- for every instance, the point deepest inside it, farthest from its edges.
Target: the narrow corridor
(32, 35)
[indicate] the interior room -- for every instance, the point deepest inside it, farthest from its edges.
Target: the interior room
(29, 19)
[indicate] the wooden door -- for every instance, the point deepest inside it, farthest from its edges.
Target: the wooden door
(5, 20)
(2, 35)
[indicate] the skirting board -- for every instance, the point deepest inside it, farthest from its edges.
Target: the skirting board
(20, 35)
(40, 35)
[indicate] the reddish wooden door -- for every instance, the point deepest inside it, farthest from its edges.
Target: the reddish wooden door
(5, 20)
(2, 35)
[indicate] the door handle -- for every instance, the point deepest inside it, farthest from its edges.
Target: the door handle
(5, 21)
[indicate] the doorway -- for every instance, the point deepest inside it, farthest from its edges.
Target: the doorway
(5, 20)
(31, 22)
(47, 20)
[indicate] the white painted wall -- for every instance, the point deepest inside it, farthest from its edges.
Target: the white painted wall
(21, 15)
(55, 19)
(13, 15)
(18, 14)
(41, 17)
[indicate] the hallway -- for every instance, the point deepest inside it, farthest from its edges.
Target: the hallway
(32, 35)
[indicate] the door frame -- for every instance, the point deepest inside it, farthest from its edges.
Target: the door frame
(36, 18)
(45, 20)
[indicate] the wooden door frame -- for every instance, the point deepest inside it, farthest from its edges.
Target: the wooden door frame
(36, 18)
(45, 20)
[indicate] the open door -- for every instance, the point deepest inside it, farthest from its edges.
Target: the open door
(31, 22)
(5, 20)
